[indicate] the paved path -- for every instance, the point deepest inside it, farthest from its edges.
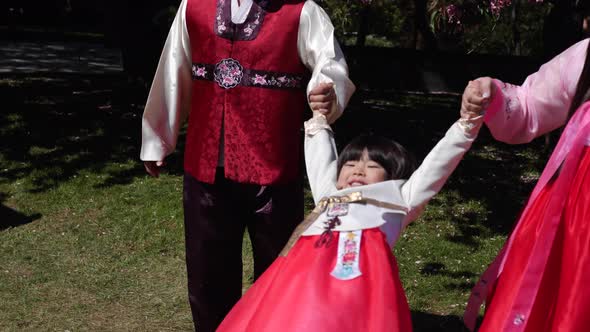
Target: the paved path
(58, 57)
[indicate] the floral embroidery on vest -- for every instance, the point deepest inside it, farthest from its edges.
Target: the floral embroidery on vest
(248, 30)
(277, 80)
(229, 73)
(199, 71)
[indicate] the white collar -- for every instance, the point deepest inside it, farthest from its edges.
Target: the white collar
(239, 12)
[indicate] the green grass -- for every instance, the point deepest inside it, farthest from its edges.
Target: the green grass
(89, 242)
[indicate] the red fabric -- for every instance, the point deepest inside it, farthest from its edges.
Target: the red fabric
(297, 293)
(563, 298)
(261, 125)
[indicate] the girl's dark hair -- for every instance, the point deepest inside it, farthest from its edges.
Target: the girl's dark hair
(394, 158)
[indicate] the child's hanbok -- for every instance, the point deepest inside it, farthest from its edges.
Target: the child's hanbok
(338, 273)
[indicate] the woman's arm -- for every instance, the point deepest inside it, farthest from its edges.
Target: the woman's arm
(518, 114)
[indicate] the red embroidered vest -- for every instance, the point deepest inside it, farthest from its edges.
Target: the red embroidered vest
(248, 79)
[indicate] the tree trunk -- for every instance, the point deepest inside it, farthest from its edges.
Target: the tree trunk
(363, 26)
(423, 36)
(515, 31)
(562, 28)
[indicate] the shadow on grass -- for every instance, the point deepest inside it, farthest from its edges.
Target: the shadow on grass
(436, 268)
(11, 218)
(427, 322)
(59, 125)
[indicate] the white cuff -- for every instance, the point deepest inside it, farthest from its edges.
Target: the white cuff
(471, 126)
(316, 124)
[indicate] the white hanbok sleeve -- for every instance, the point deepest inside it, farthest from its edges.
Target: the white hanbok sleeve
(321, 54)
(438, 165)
(168, 102)
(320, 157)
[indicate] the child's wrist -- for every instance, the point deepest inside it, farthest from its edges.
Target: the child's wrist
(317, 123)
(471, 123)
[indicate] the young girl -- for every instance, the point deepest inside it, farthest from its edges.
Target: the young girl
(337, 273)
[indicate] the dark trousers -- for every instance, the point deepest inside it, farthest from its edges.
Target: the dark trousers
(215, 217)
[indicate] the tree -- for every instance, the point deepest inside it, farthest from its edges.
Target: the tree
(424, 37)
(562, 27)
(507, 20)
(370, 22)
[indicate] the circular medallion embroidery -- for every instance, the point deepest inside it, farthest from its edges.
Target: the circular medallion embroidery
(228, 73)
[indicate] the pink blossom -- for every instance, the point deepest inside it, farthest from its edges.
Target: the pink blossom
(452, 17)
(453, 14)
(496, 6)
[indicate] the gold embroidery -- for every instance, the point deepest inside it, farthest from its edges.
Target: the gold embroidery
(326, 202)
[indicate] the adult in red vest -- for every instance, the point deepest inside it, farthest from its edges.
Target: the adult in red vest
(242, 72)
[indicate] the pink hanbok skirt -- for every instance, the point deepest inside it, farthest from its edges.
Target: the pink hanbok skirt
(562, 302)
(298, 293)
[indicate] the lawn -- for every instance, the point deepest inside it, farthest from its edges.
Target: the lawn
(89, 242)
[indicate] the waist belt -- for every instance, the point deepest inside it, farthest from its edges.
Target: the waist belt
(324, 203)
(229, 73)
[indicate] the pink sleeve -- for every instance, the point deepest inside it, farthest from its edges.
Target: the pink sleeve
(518, 114)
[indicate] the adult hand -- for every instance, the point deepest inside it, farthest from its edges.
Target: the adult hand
(322, 98)
(154, 167)
(477, 96)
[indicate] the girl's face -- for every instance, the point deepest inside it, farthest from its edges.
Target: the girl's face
(360, 172)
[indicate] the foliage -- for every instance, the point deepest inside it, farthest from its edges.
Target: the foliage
(456, 15)
(467, 26)
(490, 25)
(504, 35)
(389, 22)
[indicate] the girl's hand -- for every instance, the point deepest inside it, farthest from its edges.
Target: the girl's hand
(322, 99)
(476, 97)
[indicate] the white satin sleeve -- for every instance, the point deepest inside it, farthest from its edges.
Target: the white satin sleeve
(321, 54)
(168, 102)
(438, 165)
(320, 158)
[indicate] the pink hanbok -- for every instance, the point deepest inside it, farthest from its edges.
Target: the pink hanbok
(539, 281)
